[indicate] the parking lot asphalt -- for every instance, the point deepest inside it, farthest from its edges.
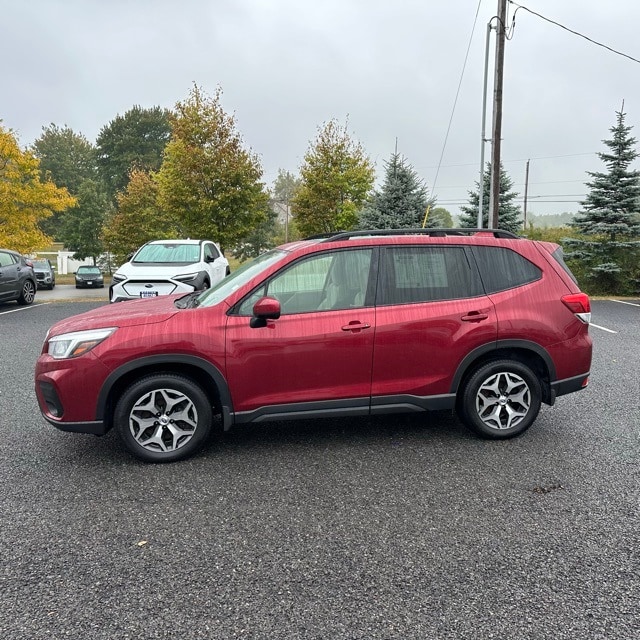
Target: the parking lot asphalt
(396, 527)
(69, 292)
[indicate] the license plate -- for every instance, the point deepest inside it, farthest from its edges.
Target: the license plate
(89, 281)
(148, 294)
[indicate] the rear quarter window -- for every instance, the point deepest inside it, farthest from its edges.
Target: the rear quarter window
(502, 268)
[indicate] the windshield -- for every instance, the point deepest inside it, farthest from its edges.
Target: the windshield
(239, 278)
(168, 252)
(41, 264)
(91, 270)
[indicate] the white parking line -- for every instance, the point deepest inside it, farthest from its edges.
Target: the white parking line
(602, 328)
(33, 306)
(633, 304)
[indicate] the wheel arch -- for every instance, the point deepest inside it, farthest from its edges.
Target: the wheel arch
(528, 353)
(197, 369)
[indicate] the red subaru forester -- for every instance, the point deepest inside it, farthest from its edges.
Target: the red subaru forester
(358, 323)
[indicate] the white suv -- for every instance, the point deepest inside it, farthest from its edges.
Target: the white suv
(163, 267)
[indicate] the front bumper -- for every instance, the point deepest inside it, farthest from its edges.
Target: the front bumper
(137, 289)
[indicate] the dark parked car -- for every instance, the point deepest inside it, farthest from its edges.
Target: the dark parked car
(45, 274)
(88, 276)
(17, 280)
(361, 323)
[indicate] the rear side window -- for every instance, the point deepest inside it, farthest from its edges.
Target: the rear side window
(6, 259)
(426, 274)
(503, 269)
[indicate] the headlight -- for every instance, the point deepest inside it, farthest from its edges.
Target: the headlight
(118, 277)
(72, 345)
(186, 277)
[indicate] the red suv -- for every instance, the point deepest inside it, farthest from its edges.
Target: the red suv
(354, 324)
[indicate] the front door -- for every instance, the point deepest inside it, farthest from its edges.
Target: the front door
(316, 358)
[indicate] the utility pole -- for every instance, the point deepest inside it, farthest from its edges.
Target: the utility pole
(483, 132)
(526, 189)
(494, 194)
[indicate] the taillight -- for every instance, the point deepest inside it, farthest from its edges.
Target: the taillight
(579, 304)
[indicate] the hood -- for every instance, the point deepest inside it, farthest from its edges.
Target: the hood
(120, 314)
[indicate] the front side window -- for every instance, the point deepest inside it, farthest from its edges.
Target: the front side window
(322, 282)
(211, 251)
(426, 274)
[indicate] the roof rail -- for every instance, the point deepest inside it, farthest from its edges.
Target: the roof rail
(346, 235)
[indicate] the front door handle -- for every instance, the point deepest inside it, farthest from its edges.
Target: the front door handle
(474, 316)
(355, 326)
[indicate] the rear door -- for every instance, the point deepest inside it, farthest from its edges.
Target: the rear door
(431, 312)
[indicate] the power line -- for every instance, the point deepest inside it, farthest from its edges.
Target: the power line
(576, 33)
(455, 102)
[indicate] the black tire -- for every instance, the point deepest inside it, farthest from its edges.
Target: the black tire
(143, 418)
(28, 292)
(227, 272)
(500, 399)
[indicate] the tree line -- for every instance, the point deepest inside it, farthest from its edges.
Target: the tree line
(157, 173)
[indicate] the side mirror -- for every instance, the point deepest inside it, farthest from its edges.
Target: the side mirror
(263, 310)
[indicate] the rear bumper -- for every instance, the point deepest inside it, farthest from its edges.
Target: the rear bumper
(570, 385)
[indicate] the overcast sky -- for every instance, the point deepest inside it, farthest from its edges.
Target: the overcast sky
(287, 66)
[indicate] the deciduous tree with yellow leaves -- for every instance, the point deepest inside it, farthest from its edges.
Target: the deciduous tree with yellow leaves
(24, 198)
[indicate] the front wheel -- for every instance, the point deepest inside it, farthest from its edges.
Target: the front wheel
(163, 418)
(501, 399)
(28, 293)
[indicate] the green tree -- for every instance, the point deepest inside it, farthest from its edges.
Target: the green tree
(440, 217)
(208, 180)
(284, 189)
(402, 201)
(609, 222)
(509, 214)
(138, 218)
(82, 224)
(68, 159)
(25, 198)
(259, 239)
(337, 177)
(135, 140)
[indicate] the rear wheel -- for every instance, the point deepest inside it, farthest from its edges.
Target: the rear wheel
(28, 292)
(163, 418)
(501, 399)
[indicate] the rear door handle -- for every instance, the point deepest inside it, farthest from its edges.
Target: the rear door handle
(474, 316)
(355, 326)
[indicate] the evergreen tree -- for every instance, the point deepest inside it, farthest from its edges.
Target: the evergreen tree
(508, 213)
(401, 203)
(610, 222)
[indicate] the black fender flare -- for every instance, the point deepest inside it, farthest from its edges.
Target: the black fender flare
(160, 361)
(478, 352)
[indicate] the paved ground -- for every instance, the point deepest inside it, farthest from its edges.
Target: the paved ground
(69, 292)
(395, 528)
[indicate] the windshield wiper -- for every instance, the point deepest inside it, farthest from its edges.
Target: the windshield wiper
(188, 301)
